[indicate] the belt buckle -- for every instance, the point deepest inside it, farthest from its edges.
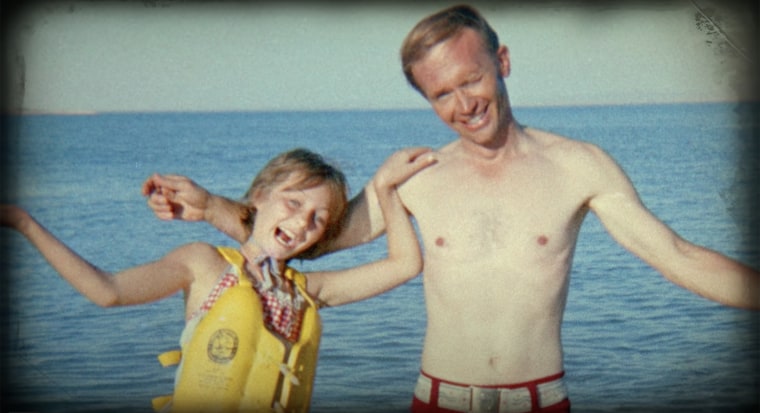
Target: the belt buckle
(516, 400)
(485, 400)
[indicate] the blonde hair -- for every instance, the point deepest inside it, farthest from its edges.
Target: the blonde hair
(311, 171)
(439, 27)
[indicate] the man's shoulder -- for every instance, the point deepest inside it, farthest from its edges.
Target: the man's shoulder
(550, 139)
(562, 147)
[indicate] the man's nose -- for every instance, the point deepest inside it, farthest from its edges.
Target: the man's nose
(465, 103)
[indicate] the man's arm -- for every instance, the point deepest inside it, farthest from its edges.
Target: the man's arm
(404, 259)
(363, 222)
(178, 197)
(703, 271)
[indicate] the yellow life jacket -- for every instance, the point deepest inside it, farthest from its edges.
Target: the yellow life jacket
(233, 363)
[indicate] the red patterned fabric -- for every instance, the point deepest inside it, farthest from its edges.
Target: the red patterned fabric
(279, 317)
(226, 282)
(282, 318)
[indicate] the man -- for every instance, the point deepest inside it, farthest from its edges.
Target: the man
(499, 216)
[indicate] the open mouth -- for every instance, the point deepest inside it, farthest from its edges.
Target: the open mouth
(476, 121)
(285, 238)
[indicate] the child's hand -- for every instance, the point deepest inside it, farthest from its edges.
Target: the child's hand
(401, 166)
(175, 197)
(12, 216)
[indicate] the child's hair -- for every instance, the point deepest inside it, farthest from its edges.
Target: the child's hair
(312, 170)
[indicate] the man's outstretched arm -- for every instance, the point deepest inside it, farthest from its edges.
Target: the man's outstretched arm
(178, 197)
(701, 270)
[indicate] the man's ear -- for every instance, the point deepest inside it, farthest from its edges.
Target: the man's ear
(502, 59)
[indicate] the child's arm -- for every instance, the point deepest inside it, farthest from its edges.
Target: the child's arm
(404, 259)
(136, 285)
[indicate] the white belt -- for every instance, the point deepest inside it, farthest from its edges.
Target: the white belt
(490, 400)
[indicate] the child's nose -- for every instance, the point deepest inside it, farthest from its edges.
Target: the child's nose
(305, 219)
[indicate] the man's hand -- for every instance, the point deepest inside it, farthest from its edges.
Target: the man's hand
(176, 197)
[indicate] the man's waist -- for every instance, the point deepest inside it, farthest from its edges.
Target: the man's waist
(486, 377)
(487, 362)
(512, 397)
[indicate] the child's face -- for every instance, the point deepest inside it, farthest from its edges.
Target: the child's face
(289, 221)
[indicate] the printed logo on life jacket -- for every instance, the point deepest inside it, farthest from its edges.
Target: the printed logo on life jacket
(222, 346)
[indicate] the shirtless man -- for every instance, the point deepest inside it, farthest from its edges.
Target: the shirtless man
(498, 248)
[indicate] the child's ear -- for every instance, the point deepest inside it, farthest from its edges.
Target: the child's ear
(256, 197)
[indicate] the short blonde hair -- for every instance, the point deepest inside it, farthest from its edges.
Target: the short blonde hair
(439, 27)
(311, 170)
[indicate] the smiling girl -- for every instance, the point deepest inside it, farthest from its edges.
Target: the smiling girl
(297, 202)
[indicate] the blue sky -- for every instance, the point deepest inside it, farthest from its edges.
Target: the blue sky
(212, 56)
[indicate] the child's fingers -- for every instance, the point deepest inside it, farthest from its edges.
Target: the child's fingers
(409, 167)
(426, 159)
(419, 158)
(415, 152)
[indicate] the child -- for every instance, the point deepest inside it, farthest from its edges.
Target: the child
(230, 362)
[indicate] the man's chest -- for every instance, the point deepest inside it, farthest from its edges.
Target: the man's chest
(531, 211)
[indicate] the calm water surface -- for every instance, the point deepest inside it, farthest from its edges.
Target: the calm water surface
(633, 342)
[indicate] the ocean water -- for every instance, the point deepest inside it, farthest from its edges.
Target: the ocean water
(633, 342)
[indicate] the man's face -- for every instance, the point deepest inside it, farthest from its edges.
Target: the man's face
(464, 84)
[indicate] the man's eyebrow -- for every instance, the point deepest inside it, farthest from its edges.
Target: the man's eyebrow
(438, 93)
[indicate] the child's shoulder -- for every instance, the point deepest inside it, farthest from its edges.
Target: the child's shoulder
(197, 247)
(196, 254)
